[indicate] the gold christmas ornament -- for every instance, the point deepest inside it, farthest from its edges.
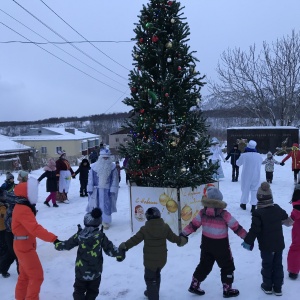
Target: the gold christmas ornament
(171, 206)
(195, 213)
(163, 199)
(186, 213)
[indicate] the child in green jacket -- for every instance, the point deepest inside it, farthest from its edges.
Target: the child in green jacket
(155, 234)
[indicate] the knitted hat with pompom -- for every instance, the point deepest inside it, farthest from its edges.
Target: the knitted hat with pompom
(94, 218)
(264, 195)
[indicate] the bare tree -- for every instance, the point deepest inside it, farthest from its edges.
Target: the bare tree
(266, 84)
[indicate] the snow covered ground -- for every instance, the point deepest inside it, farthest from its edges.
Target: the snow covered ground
(125, 280)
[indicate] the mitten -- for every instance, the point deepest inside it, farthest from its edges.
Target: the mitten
(123, 246)
(282, 163)
(288, 222)
(247, 246)
(121, 256)
(183, 240)
(79, 228)
(57, 243)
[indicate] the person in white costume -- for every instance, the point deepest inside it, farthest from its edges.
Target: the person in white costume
(216, 157)
(103, 187)
(250, 179)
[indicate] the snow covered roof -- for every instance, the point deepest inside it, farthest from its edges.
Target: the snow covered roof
(61, 134)
(265, 127)
(7, 145)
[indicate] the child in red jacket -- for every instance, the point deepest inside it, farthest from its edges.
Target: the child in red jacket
(293, 259)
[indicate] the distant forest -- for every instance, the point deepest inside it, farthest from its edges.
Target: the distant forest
(218, 120)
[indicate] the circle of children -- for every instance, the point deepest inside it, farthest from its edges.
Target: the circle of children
(22, 229)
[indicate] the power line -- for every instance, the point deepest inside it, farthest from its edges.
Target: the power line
(83, 36)
(67, 40)
(59, 48)
(73, 42)
(62, 59)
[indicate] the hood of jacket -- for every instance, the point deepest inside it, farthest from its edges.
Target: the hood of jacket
(213, 207)
(154, 227)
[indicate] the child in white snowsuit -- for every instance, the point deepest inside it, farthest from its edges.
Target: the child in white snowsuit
(269, 163)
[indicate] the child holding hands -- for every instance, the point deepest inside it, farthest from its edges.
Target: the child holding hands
(215, 221)
(266, 226)
(89, 260)
(155, 234)
(293, 259)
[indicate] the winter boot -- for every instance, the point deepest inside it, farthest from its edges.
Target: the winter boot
(81, 195)
(195, 287)
(243, 206)
(47, 203)
(5, 275)
(266, 289)
(277, 291)
(229, 292)
(253, 208)
(293, 275)
(55, 205)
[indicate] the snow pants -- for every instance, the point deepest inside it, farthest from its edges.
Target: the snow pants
(86, 290)
(152, 279)
(31, 274)
(293, 259)
(213, 250)
(10, 256)
(272, 269)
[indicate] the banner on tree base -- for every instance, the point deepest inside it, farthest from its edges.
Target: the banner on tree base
(177, 206)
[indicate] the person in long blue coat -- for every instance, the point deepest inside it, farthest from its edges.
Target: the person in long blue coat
(103, 187)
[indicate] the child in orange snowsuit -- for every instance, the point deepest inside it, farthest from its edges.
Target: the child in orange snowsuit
(25, 229)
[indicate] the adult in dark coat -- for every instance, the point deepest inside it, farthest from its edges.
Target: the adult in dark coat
(83, 171)
(266, 226)
(155, 234)
(234, 155)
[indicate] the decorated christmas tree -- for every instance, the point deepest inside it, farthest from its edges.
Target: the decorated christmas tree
(169, 145)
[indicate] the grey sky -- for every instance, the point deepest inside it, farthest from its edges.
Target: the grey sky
(35, 85)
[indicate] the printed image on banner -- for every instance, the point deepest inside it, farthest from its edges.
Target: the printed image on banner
(165, 199)
(190, 201)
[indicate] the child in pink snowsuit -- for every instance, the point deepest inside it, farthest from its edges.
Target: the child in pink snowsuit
(293, 259)
(215, 221)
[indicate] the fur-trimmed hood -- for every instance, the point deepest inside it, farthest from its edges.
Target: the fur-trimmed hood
(213, 207)
(213, 203)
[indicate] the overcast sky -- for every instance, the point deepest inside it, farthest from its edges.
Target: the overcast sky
(35, 85)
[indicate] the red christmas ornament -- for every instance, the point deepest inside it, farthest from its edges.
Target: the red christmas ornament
(167, 95)
(154, 38)
(141, 40)
(179, 68)
(133, 89)
(138, 161)
(142, 111)
(170, 3)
